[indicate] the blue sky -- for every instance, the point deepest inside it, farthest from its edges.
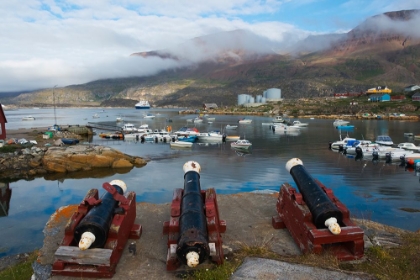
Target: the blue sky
(63, 42)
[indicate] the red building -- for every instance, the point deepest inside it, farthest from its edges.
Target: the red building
(3, 122)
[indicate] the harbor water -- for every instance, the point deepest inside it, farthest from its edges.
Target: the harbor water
(385, 193)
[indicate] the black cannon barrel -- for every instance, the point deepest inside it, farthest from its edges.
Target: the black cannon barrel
(98, 220)
(192, 221)
(321, 207)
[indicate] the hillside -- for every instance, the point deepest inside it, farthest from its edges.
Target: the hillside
(377, 52)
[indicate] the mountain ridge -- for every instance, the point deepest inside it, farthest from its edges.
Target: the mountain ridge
(377, 52)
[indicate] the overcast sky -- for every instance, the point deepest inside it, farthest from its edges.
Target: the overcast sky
(63, 42)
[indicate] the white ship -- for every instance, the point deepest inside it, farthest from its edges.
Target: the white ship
(143, 104)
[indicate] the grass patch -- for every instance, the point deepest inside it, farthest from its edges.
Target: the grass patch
(20, 271)
(383, 263)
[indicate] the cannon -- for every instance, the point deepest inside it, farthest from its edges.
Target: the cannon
(194, 229)
(96, 234)
(315, 218)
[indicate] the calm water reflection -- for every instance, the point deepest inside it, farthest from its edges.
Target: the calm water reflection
(372, 191)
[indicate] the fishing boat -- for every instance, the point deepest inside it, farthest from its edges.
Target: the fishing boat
(142, 104)
(28, 118)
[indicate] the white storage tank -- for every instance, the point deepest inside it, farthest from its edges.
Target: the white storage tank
(272, 93)
(263, 100)
(251, 99)
(242, 99)
(258, 98)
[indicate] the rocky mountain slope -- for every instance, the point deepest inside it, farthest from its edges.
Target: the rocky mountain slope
(380, 51)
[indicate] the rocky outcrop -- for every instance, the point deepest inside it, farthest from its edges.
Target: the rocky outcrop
(35, 161)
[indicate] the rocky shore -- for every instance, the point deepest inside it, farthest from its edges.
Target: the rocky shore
(40, 160)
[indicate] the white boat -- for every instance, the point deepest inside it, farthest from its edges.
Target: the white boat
(384, 140)
(119, 119)
(241, 144)
(284, 127)
(394, 153)
(212, 136)
(208, 118)
(133, 136)
(129, 128)
(198, 120)
(409, 146)
(159, 136)
(148, 116)
(228, 126)
(142, 104)
(300, 124)
(342, 142)
(340, 122)
(144, 128)
(181, 144)
(95, 116)
(28, 118)
(366, 147)
(245, 121)
(278, 119)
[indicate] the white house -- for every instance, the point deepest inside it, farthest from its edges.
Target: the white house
(411, 88)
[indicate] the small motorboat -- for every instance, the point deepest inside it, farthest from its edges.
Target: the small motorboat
(187, 138)
(148, 116)
(340, 122)
(409, 146)
(181, 144)
(241, 144)
(245, 121)
(284, 127)
(28, 118)
(278, 119)
(228, 126)
(384, 140)
(300, 124)
(70, 141)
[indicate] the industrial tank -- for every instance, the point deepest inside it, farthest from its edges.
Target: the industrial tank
(243, 99)
(272, 93)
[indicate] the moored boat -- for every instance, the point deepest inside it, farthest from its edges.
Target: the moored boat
(340, 122)
(228, 126)
(28, 118)
(70, 141)
(384, 140)
(245, 121)
(148, 116)
(278, 119)
(241, 144)
(180, 144)
(300, 124)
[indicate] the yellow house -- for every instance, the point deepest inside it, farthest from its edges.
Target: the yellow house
(379, 89)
